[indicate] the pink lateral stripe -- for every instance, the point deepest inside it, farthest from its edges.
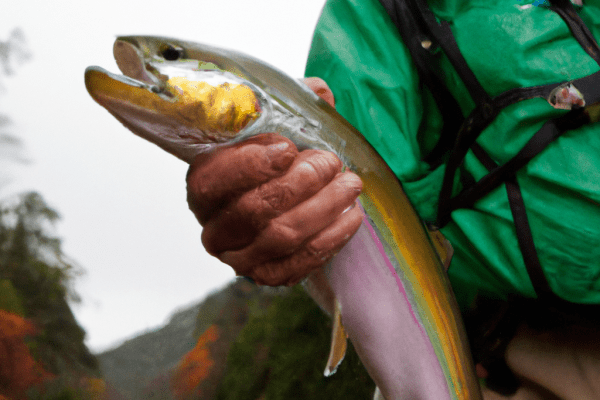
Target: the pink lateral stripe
(396, 277)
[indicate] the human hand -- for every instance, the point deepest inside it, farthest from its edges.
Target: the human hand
(271, 212)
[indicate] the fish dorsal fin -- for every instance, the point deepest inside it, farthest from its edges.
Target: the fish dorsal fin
(339, 342)
(442, 246)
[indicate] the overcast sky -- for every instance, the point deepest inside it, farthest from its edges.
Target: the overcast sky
(122, 200)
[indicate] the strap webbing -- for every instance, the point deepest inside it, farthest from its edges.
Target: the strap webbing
(441, 32)
(415, 21)
(549, 132)
(588, 314)
(522, 228)
(580, 31)
(414, 35)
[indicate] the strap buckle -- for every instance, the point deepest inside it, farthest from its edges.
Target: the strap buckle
(566, 97)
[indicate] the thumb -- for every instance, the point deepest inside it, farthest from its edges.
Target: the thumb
(321, 88)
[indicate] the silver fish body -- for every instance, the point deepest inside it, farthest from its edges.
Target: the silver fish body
(395, 300)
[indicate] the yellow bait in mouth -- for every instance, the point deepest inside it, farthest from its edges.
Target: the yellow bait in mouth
(218, 109)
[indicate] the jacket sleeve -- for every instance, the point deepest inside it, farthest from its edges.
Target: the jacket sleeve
(357, 51)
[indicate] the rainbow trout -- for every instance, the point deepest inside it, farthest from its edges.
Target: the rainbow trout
(387, 287)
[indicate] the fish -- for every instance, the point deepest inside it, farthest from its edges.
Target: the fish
(387, 289)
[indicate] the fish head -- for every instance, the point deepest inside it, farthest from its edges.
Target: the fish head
(171, 94)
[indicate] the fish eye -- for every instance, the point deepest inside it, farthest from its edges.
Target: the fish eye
(171, 53)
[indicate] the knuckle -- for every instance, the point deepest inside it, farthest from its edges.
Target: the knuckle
(281, 154)
(250, 155)
(318, 250)
(276, 197)
(206, 238)
(197, 205)
(262, 162)
(284, 236)
(260, 205)
(324, 163)
(348, 182)
(198, 185)
(249, 204)
(202, 190)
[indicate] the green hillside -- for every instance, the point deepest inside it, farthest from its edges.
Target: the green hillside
(245, 342)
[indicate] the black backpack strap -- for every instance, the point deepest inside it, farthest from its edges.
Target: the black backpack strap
(580, 31)
(440, 31)
(562, 311)
(523, 230)
(417, 38)
(416, 23)
(550, 131)
(589, 87)
(477, 121)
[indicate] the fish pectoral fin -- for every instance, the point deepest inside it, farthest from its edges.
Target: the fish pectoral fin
(339, 342)
(442, 246)
(378, 395)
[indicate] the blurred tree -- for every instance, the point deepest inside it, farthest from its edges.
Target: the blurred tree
(36, 285)
(36, 278)
(31, 259)
(30, 255)
(13, 53)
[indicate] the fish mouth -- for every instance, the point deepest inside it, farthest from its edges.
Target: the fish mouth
(130, 61)
(136, 73)
(124, 79)
(141, 107)
(138, 69)
(102, 84)
(176, 102)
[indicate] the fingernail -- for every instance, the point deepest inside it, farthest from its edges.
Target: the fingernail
(280, 155)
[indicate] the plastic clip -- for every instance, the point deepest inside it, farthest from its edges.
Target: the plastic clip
(566, 97)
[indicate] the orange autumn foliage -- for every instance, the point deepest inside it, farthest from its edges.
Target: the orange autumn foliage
(18, 370)
(195, 366)
(95, 388)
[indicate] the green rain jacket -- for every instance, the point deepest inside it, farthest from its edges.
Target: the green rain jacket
(507, 43)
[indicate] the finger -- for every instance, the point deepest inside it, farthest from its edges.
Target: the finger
(215, 178)
(237, 224)
(286, 233)
(321, 88)
(314, 254)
